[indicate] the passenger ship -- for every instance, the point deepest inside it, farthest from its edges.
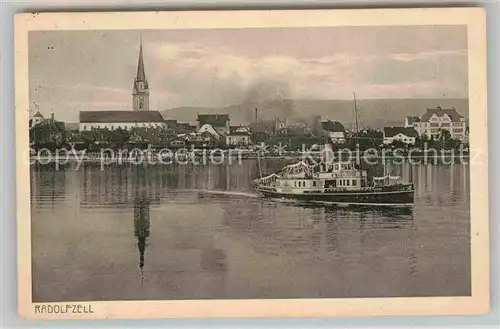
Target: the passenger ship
(342, 182)
(338, 183)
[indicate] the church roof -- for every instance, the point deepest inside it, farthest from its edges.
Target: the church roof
(141, 74)
(120, 116)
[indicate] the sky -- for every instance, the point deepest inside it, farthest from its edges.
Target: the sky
(71, 71)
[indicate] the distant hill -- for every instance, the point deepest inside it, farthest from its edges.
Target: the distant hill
(374, 113)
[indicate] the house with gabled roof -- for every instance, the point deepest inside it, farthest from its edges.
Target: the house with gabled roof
(335, 131)
(238, 136)
(410, 120)
(219, 122)
(37, 118)
(437, 119)
(407, 135)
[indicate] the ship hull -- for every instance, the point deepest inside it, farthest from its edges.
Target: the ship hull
(380, 197)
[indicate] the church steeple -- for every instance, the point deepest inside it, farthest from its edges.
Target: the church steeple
(140, 93)
(141, 75)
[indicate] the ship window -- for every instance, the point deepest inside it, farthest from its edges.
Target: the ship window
(354, 182)
(314, 183)
(341, 182)
(294, 184)
(347, 181)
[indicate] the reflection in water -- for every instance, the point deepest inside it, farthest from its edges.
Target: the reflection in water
(215, 239)
(141, 226)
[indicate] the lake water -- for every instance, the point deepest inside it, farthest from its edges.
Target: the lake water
(195, 232)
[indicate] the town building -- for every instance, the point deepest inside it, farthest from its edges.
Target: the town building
(280, 126)
(208, 130)
(48, 131)
(127, 120)
(176, 127)
(185, 128)
(140, 95)
(335, 131)
(435, 120)
(37, 118)
(141, 116)
(407, 135)
(238, 136)
(410, 120)
(219, 122)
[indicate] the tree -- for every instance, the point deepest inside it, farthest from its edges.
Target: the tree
(47, 133)
(444, 136)
(397, 144)
(451, 144)
(119, 137)
(367, 139)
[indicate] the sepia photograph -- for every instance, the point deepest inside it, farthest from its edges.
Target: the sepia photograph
(253, 163)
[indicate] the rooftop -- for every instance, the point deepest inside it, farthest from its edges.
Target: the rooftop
(215, 120)
(38, 115)
(120, 116)
(333, 126)
(440, 112)
(412, 119)
(393, 131)
(238, 130)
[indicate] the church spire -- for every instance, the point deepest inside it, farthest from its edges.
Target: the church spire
(140, 92)
(141, 75)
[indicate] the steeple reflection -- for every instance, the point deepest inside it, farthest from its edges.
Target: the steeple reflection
(141, 225)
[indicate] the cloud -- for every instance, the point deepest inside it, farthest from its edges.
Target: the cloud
(74, 70)
(93, 89)
(431, 55)
(333, 76)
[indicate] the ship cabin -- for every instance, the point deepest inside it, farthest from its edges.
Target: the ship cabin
(343, 175)
(303, 178)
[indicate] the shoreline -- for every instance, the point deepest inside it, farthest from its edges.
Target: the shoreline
(155, 159)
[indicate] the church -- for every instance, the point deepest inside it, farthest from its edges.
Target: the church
(140, 117)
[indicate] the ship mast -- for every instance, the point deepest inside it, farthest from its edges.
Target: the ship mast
(355, 114)
(259, 164)
(356, 126)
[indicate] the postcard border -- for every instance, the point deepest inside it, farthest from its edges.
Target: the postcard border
(473, 18)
